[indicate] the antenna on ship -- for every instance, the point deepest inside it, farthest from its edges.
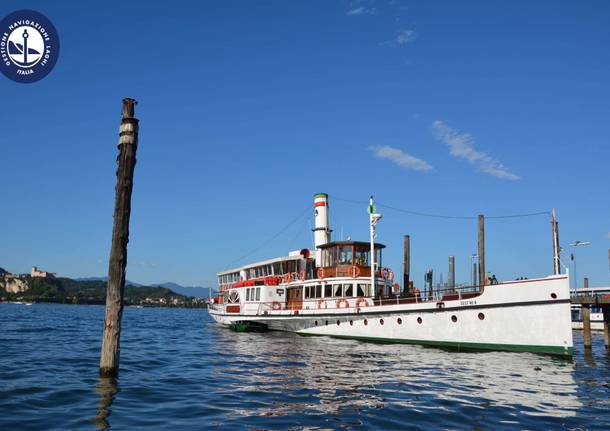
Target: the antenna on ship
(374, 218)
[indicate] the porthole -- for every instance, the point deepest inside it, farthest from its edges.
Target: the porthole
(326, 323)
(381, 321)
(366, 322)
(419, 320)
(454, 318)
(481, 316)
(338, 322)
(399, 321)
(316, 323)
(554, 295)
(351, 323)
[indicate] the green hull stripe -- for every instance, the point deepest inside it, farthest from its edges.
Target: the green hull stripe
(551, 350)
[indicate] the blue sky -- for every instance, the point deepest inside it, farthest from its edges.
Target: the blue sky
(249, 108)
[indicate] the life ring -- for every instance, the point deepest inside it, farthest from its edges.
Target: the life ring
(355, 272)
(320, 273)
(302, 275)
(295, 276)
(342, 301)
(276, 305)
(287, 278)
(320, 302)
(362, 301)
(396, 288)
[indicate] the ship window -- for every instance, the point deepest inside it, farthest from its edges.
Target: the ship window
(345, 255)
(308, 292)
(337, 290)
(348, 290)
(361, 289)
(328, 291)
(362, 257)
(258, 293)
(247, 294)
(318, 291)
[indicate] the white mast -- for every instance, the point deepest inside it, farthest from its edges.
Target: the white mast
(556, 248)
(322, 229)
(373, 219)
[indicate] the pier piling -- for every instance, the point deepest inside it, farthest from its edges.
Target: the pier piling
(406, 263)
(451, 276)
(128, 144)
(606, 313)
(482, 274)
(586, 325)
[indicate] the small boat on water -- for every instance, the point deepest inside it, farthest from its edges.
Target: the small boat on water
(342, 289)
(597, 315)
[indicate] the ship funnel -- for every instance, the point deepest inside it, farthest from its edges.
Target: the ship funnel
(322, 229)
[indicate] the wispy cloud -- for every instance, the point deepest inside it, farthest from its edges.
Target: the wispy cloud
(461, 145)
(362, 11)
(402, 38)
(399, 157)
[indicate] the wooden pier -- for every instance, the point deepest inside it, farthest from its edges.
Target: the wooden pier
(586, 301)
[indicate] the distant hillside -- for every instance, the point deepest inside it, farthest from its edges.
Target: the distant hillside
(93, 291)
(196, 291)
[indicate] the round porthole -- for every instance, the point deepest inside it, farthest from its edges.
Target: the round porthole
(381, 321)
(316, 323)
(399, 321)
(338, 322)
(351, 323)
(554, 295)
(419, 320)
(481, 316)
(327, 323)
(366, 322)
(454, 318)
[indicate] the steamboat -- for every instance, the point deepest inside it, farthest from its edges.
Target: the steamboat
(341, 289)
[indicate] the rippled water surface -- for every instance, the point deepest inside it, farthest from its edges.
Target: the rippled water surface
(181, 371)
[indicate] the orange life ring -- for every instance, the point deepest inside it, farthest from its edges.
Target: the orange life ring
(320, 273)
(320, 302)
(355, 271)
(362, 301)
(287, 278)
(302, 275)
(276, 305)
(342, 301)
(295, 276)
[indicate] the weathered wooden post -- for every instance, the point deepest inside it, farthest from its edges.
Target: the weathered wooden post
(451, 273)
(606, 317)
(586, 325)
(482, 273)
(128, 144)
(406, 263)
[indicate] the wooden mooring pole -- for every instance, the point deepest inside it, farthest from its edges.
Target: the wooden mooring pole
(451, 272)
(128, 144)
(606, 313)
(406, 263)
(586, 325)
(482, 274)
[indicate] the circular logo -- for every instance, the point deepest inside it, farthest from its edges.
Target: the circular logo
(29, 46)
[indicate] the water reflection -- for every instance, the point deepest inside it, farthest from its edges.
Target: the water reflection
(327, 376)
(107, 388)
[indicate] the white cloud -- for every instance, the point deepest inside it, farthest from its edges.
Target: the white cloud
(399, 157)
(461, 145)
(362, 11)
(402, 38)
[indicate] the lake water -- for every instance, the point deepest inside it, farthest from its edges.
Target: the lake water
(180, 371)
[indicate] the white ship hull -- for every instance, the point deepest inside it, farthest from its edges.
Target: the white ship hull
(528, 315)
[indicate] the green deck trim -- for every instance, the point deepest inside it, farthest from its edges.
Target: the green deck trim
(320, 195)
(461, 346)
